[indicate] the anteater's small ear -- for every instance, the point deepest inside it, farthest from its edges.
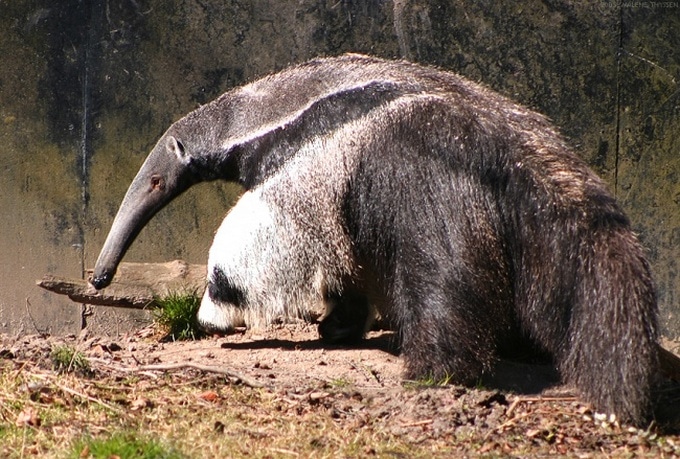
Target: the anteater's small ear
(175, 146)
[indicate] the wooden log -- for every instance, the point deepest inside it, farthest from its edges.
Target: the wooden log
(135, 284)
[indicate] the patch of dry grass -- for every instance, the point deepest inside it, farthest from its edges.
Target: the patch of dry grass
(194, 415)
(150, 407)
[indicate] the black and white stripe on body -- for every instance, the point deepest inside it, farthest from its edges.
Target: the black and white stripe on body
(283, 248)
(466, 214)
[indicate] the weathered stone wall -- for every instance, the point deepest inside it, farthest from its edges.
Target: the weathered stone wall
(86, 87)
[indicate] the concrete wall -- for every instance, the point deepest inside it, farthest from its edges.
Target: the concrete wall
(86, 88)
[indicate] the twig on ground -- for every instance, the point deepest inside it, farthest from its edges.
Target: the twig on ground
(518, 400)
(284, 451)
(507, 423)
(512, 406)
(196, 366)
(78, 394)
(102, 363)
(521, 416)
(424, 422)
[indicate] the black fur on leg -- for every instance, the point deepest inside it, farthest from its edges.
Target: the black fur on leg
(347, 319)
(447, 282)
(449, 329)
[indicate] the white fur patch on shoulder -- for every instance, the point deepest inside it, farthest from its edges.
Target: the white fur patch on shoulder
(256, 250)
(246, 226)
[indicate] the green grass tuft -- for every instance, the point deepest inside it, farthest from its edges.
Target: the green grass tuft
(340, 383)
(124, 446)
(429, 381)
(67, 359)
(176, 313)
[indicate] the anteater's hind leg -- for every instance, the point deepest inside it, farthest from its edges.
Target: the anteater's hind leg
(347, 318)
(447, 330)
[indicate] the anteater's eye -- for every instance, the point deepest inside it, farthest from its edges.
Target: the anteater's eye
(157, 182)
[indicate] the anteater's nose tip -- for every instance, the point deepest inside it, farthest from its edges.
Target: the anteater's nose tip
(101, 281)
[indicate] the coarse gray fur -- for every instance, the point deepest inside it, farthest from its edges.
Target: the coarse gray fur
(463, 217)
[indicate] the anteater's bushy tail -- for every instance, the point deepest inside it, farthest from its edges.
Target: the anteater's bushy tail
(610, 353)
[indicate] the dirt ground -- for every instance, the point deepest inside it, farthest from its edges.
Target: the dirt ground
(522, 411)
